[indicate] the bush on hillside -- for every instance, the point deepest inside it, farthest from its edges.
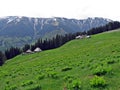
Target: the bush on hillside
(36, 87)
(13, 87)
(7, 82)
(66, 68)
(41, 76)
(102, 70)
(75, 85)
(111, 62)
(98, 82)
(52, 74)
(27, 83)
(68, 78)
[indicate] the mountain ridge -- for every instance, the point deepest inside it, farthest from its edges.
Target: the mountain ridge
(40, 24)
(34, 28)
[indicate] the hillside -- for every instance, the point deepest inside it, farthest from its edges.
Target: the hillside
(74, 65)
(25, 30)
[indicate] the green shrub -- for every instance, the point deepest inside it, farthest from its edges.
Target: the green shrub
(7, 82)
(52, 75)
(48, 69)
(102, 70)
(13, 88)
(40, 77)
(36, 87)
(27, 83)
(98, 82)
(66, 68)
(111, 61)
(13, 76)
(68, 78)
(75, 85)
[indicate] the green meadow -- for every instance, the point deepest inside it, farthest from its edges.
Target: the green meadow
(82, 64)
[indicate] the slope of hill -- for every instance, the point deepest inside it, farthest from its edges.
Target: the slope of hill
(26, 30)
(89, 64)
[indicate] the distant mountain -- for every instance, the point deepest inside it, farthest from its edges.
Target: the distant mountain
(17, 31)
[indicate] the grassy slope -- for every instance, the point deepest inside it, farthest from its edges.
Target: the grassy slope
(83, 56)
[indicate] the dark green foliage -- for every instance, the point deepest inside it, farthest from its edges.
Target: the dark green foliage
(110, 26)
(12, 88)
(111, 62)
(75, 85)
(26, 83)
(68, 78)
(102, 70)
(36, 87)
(12, 52)
(55, 42)
(2, 58)
(52, 74)
(41, 76)
(66, 69)
(7, 82)
(98, 82)
(26, 47)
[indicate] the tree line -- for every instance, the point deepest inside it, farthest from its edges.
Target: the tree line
(110, 26)
(55, 42)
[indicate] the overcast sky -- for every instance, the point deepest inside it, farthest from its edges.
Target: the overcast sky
(61, 8)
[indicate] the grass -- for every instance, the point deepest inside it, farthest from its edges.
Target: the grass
(76, 63)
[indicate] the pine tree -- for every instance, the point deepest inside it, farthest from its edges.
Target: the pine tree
(26, 47)
(2, 58)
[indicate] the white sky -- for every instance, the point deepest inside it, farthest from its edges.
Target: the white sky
(61, 8)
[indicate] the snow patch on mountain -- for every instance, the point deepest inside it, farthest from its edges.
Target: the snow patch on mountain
(36, 21)
(42, 24)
